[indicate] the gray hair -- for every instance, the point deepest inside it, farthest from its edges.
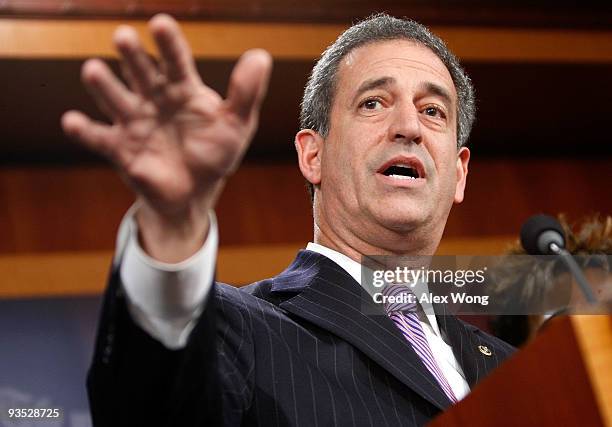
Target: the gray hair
(320, 88)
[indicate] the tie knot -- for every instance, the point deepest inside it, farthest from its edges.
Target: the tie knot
(399, 298)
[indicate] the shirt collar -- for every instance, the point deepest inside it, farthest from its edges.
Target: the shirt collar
(353, 268)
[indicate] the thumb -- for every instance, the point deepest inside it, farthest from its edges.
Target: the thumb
(249, 83)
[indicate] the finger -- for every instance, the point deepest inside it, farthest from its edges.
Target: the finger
(137, 64)
(94, 135)
(130, 79)
(174, 50)
(108, 91)
(249, 83)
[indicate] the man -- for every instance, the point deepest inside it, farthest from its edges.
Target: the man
(385, 116)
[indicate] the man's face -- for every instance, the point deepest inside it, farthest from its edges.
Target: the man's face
(390, 161)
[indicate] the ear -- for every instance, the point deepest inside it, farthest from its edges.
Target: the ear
(463, 158)
(309, 147)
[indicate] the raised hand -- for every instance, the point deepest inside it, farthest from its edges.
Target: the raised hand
(173, 138)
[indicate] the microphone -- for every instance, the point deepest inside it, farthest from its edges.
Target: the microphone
(543, 235)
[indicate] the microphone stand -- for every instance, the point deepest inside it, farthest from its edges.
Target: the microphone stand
(569, 261)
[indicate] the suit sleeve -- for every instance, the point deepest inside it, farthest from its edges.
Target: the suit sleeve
(137, 379)
(165, 299)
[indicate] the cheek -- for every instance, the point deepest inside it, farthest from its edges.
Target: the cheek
(340, 156)
(334, 169)
(347, 151)
(447, 171)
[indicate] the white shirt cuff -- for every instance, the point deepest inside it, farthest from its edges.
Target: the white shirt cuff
(165, 299)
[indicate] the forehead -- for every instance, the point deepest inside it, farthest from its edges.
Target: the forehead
(402, 59)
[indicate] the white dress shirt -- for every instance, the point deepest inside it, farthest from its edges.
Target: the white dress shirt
(166, 299)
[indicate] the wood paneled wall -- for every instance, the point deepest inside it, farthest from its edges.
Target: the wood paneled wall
(76, 209)
(63, 39)
(85, 273)
(467, 12)
(52, 218)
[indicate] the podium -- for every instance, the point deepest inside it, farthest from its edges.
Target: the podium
(562, 378)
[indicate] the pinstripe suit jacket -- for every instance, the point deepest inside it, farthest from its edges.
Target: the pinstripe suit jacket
(295, 350)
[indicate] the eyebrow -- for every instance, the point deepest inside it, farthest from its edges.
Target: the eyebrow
(373, 84)
(427, 87)
(439, 91)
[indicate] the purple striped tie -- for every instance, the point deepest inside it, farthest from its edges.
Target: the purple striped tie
(404, 314)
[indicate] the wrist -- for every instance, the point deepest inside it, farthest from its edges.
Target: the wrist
(172, 238)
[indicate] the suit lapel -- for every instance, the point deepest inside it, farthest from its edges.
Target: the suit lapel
(468, 347)
(330, 298)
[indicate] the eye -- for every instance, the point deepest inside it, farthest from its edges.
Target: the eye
(434, 111)
(371, 104)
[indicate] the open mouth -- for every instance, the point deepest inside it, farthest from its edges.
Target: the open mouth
(403, 168)
(401, 172)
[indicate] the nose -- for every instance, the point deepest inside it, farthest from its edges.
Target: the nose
(405, 124)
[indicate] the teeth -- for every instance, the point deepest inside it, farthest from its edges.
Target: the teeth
(401, 177)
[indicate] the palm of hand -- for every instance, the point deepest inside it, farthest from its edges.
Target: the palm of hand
(173, 138)
(170, 151)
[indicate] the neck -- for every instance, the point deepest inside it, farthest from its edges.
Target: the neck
(416, 242)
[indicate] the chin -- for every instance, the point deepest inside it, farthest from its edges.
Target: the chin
(401, 220)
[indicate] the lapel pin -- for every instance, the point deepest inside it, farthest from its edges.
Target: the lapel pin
(485, 350)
